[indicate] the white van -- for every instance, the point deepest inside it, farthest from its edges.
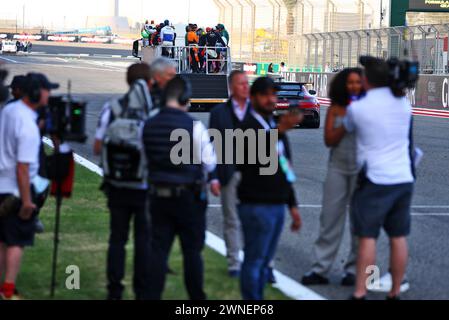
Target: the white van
(9, 46)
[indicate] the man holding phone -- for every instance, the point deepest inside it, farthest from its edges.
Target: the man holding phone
(264, 197)
(20, 141)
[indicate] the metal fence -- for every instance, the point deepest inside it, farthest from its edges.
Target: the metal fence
(331, 51)
(192, 59)
(272, 30)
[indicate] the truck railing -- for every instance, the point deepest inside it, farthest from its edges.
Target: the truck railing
(193, 58)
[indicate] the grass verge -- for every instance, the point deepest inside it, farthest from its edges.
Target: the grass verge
(83, 242)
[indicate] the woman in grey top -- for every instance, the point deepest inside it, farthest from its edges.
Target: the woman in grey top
(340, 182)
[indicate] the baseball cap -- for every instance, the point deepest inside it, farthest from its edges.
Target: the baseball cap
(262, 85)
(44, 82)
(18, 82)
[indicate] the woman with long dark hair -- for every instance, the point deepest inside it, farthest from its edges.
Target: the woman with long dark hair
(340, 182)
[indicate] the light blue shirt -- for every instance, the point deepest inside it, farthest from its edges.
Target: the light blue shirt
(381, 123)
(238, 111)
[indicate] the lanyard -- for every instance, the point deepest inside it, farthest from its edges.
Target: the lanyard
(283, 160)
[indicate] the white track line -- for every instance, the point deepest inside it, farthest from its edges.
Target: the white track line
(288, 286)
(72, 67)
(318, 206)
(9, 60)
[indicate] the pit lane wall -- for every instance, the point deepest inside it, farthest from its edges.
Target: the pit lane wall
(432, 91)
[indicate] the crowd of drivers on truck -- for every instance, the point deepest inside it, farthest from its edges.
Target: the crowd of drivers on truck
(207, 51)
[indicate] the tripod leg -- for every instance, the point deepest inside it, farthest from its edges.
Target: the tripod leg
(56, 240)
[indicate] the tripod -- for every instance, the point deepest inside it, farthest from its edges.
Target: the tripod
(60, 168)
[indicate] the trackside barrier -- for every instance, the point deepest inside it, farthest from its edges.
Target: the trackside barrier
(431, 92)
(64, 38)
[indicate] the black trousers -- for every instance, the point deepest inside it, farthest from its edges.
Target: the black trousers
(184, 216)
(124, 205)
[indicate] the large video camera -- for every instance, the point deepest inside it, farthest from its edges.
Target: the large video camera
(404, 74)
(399, 75)
(65, 118)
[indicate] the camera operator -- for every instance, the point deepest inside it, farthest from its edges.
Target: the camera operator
(17, 91)
(20, 141)
(178, 193)
(382, 125)
(126, 199)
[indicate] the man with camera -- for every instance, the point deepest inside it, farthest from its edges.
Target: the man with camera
(178, 194)
(382, 124)
(20, 141)
(118, 140)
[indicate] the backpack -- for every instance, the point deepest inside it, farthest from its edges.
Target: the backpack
(123, 157)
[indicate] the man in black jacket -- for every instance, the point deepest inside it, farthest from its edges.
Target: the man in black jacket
(226, 178)
(263, 196)
(178, 192)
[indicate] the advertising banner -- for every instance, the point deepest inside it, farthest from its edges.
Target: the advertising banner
(250, 68)
(95, 40)
(62, 38)
(429, 5)
(431, 92)
(27, 37)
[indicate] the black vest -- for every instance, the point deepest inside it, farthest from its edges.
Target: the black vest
(156, 138)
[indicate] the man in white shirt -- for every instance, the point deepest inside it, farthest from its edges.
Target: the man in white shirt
(168, 39)
(20, 141)
(382, 124)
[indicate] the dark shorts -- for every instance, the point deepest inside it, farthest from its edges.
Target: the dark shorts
(382, 206)
(15, 231)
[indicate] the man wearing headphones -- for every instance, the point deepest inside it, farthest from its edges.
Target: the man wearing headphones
(20, 141)
(179, 157)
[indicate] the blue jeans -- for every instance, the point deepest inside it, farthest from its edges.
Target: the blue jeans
(262, 227)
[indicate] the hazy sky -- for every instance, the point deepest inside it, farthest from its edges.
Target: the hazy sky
(53, 13)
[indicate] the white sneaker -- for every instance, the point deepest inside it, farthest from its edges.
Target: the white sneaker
(386, 282)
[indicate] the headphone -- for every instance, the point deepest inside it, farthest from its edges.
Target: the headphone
(184, 98)
(32, 88)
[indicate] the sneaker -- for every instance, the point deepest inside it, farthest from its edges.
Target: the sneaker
(386, 282)
(271, 277)
(395, 298)
(313, 279)
(15, 296)
(234, 273)
(348, 280)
